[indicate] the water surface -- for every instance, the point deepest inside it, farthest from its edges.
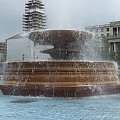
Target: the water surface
(40, 108)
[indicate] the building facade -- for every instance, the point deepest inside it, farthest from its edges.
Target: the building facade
(3, 51)
(111, 31)
(24, 49)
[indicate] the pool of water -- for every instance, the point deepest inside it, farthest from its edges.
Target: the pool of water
(40, 108)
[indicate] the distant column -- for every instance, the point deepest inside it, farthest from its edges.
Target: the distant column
(115, 47)
(23, 57)
(117, 32)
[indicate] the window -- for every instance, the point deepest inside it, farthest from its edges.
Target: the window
(96, 30)
(108, 34)
(96, 35)
(107, 29)
(101, 29)
(102, 35)
(115, 32)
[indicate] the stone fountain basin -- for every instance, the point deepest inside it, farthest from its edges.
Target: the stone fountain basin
(60, 78)
(59, 36)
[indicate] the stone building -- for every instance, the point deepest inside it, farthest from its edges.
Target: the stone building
(23, 49)
(3, 51)
(111, 31)
(3, 54)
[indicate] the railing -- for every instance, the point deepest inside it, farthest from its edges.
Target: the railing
(97, 26)
(113, 37)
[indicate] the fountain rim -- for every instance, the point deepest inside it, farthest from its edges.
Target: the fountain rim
(59, 30)
(53, 30)
(57, 61)
(26, 34)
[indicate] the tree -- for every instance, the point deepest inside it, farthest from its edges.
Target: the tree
(108, 53)
(105, 52)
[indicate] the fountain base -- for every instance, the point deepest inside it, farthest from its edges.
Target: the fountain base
(60, 78)
(83, 91)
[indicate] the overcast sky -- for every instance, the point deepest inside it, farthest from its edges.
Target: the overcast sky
(61, 14)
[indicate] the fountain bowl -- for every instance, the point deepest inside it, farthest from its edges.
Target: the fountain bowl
(66, 44)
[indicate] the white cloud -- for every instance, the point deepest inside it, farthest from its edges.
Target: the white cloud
(60, 14)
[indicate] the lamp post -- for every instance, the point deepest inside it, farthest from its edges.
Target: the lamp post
(23, 57)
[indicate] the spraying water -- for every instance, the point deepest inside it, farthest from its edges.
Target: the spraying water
(92, 50)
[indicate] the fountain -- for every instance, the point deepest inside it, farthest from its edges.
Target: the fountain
(64, 73)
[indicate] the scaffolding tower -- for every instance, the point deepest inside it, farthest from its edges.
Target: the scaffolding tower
(34, 17)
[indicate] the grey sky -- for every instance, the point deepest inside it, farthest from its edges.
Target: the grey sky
(61, 14)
